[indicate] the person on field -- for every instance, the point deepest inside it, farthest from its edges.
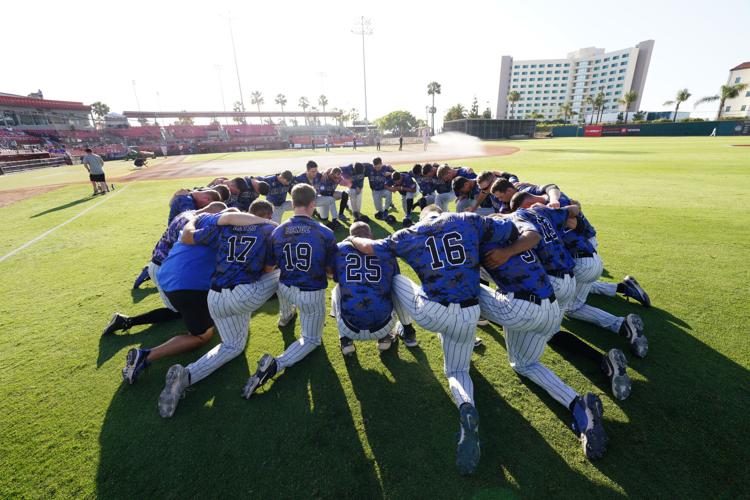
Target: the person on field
(95, 166)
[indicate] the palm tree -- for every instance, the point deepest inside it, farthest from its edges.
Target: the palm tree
(257, 98)
(323, 101)
(304, 104)
(536, 115)
(353, 115)
(682, 96)
(513, 98)
(727, 92)
(237, 107)
(432, 89)
(567, 110)
(281, 101)
(100, 110)
(599, 104)
(627, 99)
(589, 101)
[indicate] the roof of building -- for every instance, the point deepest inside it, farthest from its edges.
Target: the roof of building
(31, 102)
(744, 65)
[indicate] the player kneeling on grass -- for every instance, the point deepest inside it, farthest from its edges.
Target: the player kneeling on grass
(526, 306)
(330, 179)
(362, 301)
(304, 251)
(355, 175)
(443, 249)
(403, 183)
(160, 253)
(239, 287)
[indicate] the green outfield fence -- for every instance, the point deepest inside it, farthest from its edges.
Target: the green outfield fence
(492, 129)
(727, 127)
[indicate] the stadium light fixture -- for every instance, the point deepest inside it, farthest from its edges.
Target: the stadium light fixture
(364, 27)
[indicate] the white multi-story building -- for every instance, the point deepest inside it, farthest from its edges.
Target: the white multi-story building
(739, 107)
(546, 84)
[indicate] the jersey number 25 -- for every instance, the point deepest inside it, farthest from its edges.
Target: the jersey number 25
(362, 268)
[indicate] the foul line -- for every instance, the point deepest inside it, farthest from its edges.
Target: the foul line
(49, 231)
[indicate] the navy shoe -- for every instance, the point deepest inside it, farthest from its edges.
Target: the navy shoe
(135, 362)
(587, 424)
(632, 329)
(407, 222)
(614, 366)
(347, 346)
(634, 291)
(390, 219)
(408, 335)
(468, 451)
(118, 322)
(379, 215)
(141, 278)
(364, 218)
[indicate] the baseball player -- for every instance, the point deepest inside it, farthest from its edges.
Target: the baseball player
(426, 185)
(304, 251)
(588, 268)
(526, 306)
(403, 183)
(362, 300)
(238, 288)
(185, 199)
(312, 177)
(381, 197)
(161, 250)
(355, 175)
(443, 249)
(278, 187)
(470, 198)
(443, 183)
(330, 179)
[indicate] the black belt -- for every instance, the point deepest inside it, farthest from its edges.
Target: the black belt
(219, 289)
(354, 329)
(463, 304)
(156, 262)
(532, 297)
(583, 255)
(560, 274)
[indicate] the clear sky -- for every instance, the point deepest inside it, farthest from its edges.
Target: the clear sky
(89, 51)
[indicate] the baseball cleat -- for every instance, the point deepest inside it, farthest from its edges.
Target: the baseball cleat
(407, 222)
(634, 291)
(285, 321)
(141, 278)
(482, 321)
(343, 218)
(136, 360)
(587, 424)
(386, 342)
(632, 329)
(390, 219)
(468, 451)
(266, 370)
(614, 365)
(364, 218)
(379, 215)
(174, 390)
(347, 346)
(409, 336)
(478, 342)
(333, 225)
(118, 322)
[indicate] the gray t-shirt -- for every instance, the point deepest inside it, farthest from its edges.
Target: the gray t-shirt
(94, 162)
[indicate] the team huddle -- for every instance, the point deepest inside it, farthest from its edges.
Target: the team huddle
(520, 255)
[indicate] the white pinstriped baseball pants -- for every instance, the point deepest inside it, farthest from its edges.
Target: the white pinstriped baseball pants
(602, 287)
(345, 331)
(379, 196)
(355, 200)
(312, 315)
(153, 268)
(527, 327)
(587, 271)
(278, 211)
(326, 204)
(565, 291)
(231, 310)
(455, 326)
(443, 200)
(404, 197)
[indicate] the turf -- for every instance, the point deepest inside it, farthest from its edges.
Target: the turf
(671, 211)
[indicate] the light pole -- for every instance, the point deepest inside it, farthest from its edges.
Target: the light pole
(217, 67)
(137, 102)
(236, 66)
(364, 28)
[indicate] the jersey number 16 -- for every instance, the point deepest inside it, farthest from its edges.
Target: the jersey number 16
(453, 250)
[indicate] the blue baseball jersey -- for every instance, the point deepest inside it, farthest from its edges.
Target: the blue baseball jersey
(170, 236)
(241, 251)
(550, 224)
(584, 226)
(365, 283)
(444, 252)
(426, 184)
(466, 172)
(521, 273)
(327, 186)
(377, 177)
(442, 186)
(406, 181)
(179, 204)
(358, 180)
(276, 190)
(487, 202)
(303, 179)
(243, 201)
(302, 249)
(188, 267)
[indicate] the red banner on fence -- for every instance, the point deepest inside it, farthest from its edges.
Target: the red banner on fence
(592, 131)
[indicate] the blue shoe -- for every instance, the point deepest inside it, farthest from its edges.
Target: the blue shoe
(587, 424)
(135, 363)
(467, 453)
(141, 278)
(634, 291)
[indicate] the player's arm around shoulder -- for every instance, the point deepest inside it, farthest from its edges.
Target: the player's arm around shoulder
(242, 219)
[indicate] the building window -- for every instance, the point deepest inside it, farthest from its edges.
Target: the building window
(615, 57)
(565, 71)
(737, 80)
(525, 73)
(606, 59)
(623, 70)
(533, 65)
(747, 94)
(625, 56)
(728, 108)
(620, 78)
(525, 66)
(744, 107)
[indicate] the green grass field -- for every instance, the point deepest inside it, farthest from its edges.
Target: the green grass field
(671, 211)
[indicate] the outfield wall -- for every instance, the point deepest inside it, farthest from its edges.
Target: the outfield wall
(727, 127)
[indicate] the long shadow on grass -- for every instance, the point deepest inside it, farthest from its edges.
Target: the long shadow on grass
(592, 151)
(294, 439)
(689, 404)
(63, 206)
